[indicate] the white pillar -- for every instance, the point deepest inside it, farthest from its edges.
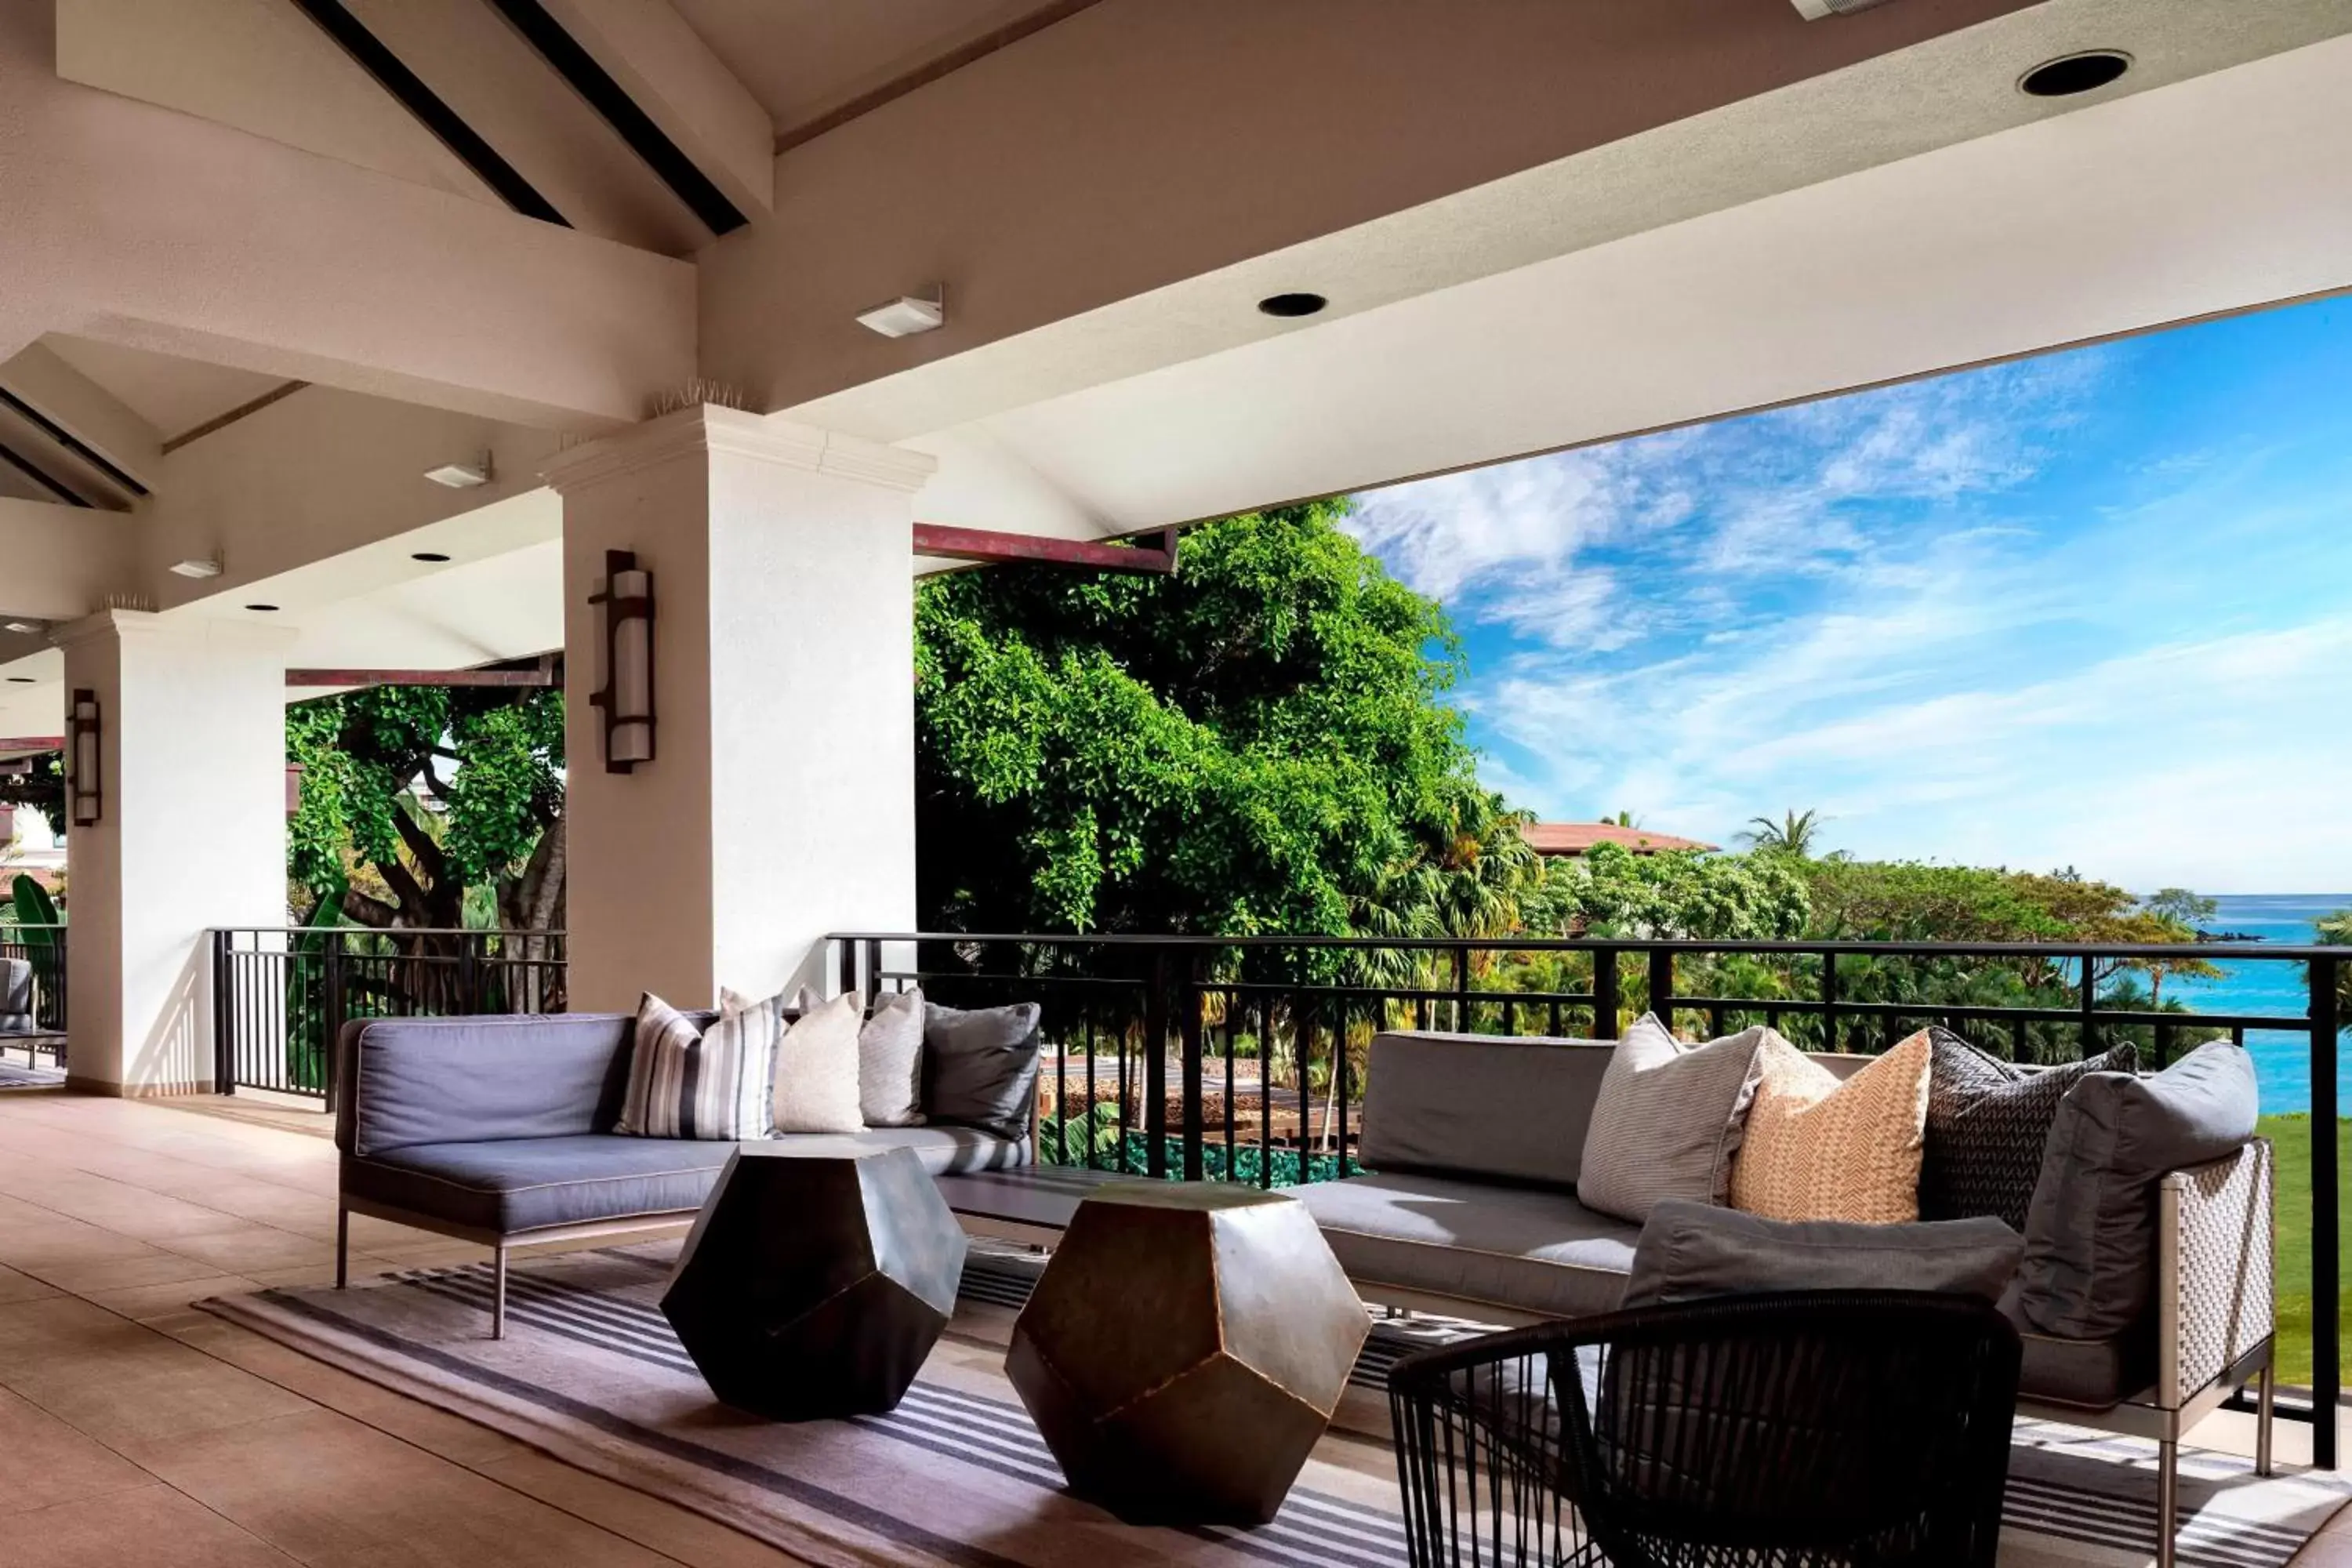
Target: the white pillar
(190, 835)
(780, 803)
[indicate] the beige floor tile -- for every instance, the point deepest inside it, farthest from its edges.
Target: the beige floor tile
(648, 1521)
(30, 1246)
(254, 1247)
(15, 1287)
(48, 1462)
(87, 1277)
(321, 1487)
(154, 1527)
(146, 1303)
(121, 1382)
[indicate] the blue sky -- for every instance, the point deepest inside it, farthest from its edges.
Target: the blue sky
(2093, 610)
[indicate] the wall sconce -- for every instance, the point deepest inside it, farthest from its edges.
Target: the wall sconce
(82, 757)
(627, 697)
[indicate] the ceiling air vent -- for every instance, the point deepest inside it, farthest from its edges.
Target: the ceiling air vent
(1814, 10)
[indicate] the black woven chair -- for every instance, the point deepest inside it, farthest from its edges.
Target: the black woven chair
(1800, 1429)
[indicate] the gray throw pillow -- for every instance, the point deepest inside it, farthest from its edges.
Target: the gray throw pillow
(980, 1068)
(1668, 1120)
(1691, 1251)
(890, 1061)
(2090, 1235)
(1988, 1122)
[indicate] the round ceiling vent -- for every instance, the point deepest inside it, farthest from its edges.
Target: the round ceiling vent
(2070, 74)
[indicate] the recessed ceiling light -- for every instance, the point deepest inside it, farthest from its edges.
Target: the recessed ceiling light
(20, 681)
(201, 566)
(462, 475)
(908, 314)
(427, 556)
(1289, 305)
(265, 609)
(2070, 74)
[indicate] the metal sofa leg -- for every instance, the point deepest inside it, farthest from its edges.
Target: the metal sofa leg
(2167, 1499)
(2262, 1417)
(342, 1246)
(498, 1300)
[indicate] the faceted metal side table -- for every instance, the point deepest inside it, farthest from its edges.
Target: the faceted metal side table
(817, 1279)
(1185, 1348)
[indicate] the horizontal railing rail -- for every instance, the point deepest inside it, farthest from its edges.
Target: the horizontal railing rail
(1246, 1058)
(43, 1029)
(281, 994)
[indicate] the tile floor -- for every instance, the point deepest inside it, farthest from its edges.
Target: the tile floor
(136, 1430)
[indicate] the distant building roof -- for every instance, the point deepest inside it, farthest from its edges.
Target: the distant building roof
(1576, 837)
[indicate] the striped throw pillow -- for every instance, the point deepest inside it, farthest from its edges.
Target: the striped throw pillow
(684, 1083)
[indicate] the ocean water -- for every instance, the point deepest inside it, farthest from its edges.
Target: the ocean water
(2282, 1059)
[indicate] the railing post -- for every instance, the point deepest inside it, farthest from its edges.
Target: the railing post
(224, 1033)
(2090, 1006)
(1829, 1000)
(2327, 1266)
(1662, 986)
(847, 962)
(333, 1011)
(1460, 990)
(1187, 1025)
(1155, 1067)
(1605, 1002)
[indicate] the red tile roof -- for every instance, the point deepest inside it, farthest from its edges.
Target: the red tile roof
(1576, 837)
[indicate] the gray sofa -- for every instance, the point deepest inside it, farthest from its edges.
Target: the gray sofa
(499, 1130)
(1476, 1142)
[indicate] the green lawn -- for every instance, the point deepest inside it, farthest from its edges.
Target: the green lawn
(2291, 1135)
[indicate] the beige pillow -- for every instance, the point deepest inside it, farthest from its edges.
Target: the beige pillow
(1818, 1149)
(890, 1061)
(816, 1069)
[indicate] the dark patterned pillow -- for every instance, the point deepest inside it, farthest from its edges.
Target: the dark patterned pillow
(1986, 1123)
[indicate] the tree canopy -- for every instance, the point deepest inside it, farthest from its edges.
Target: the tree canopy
(1259, 742)
(492, 759)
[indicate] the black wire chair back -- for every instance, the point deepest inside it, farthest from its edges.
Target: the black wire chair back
(1827, 1429)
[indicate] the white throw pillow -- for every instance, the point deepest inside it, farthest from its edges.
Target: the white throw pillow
(816, 1070)
(890, 1062)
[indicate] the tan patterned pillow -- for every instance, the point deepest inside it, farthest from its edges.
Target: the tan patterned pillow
(1819, 1149)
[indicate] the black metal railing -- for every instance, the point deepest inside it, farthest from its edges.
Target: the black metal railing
(43, 949)
(281, 995)
(1246, 1058)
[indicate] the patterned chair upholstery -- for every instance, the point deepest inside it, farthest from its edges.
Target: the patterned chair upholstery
(17, 997)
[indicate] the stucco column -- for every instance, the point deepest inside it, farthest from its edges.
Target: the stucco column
(190, 835)
(780, 803)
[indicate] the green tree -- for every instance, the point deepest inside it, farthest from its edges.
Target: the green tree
(1614, 892)
(2335, 931)
(491, 758)
(1792, 835)
(1258, 743)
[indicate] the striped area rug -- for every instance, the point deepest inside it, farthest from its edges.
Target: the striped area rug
(592, 1374)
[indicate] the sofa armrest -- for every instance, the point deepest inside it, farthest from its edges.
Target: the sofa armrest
(2216, 1269)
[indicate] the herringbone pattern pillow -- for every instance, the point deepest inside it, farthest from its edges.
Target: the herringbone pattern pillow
(1988, 1122)
(1819, 1149)
(1666, 1120)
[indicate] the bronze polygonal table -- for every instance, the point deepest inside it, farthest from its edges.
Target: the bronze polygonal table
(1185, 1348)
(817, 1279)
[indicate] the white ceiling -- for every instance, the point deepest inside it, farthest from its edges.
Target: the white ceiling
(172, 395)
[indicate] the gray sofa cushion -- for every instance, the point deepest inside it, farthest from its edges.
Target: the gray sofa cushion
(466, 1081)
(2096, 1374)
(980, 1068)
(1431, 1103)
(1691, 1251)
(519, 1185)
(1987, 1124)
(2090, 1235)
(1668, 1120)
(1534, 1251)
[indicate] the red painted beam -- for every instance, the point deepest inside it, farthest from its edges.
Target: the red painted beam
(420, 678)
(979, 545)
(32, 742)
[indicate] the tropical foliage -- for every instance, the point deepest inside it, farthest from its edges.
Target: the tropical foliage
(367, 837)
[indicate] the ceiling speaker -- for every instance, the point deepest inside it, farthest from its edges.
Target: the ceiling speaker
(1814, 10)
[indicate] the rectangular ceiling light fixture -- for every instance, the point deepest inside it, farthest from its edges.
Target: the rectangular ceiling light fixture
(1816, 10)
(462, 475)
(908, 314)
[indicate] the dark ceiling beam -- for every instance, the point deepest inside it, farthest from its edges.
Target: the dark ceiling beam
(35, 472)
(223, 421)
(547, 671)
(393, 76)
(669, 163)
(929, 71)
(980, 544)
(66, 438)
